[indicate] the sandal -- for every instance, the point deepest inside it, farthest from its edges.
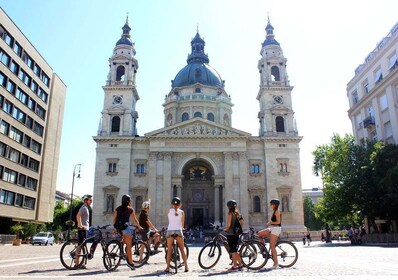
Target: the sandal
(186, 270)
(166, 270)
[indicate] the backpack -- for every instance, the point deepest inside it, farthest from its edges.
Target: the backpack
(237, 226)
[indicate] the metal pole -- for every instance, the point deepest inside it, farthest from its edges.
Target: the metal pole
(71, 199)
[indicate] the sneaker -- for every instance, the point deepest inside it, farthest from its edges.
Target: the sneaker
(131, 266)
(233, 268)
(80, 266)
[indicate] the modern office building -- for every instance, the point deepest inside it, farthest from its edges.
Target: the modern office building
(197, 154)
(32, 101)
(373, 93)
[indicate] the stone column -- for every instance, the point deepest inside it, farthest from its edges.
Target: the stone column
(167, 187)
(151, 173)
(228, 189)
(179, 191)
(216, 205)
(243, 187)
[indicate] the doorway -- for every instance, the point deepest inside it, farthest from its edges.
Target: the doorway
(197, 217)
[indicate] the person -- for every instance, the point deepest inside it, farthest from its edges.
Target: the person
(308, 238)
(232, 236)
(304, 237)
(83, 224)
(123, 214)
(273, 230)
(146, 224)
(176, 219)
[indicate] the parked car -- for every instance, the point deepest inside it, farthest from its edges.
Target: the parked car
(43, 238)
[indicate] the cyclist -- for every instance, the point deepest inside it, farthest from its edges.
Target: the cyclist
(232, 236)
(146, 224)
(273, 230)
(122, 214)
(83, 224)
(174, 230)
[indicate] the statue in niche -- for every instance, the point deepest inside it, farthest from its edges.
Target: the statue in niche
(110, 203)
(285, 203)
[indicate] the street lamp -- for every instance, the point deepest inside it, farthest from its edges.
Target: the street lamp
(76, 171)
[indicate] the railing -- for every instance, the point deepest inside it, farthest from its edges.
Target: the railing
(369, 121)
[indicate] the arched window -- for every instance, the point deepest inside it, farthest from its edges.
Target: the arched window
(275, 73)
(256, 204)
(115, 124)
(226, 119)
(185, 117)
(280, 124)
(256, 168)
(210, 117)
(120, 73)
(112, 167)
(197, 115)
(142, 168)
(169, 119)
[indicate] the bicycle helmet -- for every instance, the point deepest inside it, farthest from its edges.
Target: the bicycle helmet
(146, 204)
(275, 202)
(232, 204)
(176, 201)
(86, 196)
(126, 199)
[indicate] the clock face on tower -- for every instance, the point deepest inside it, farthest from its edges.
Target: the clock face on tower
(117, 99)
(278, 99)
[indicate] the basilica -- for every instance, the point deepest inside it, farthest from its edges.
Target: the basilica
(197, 154)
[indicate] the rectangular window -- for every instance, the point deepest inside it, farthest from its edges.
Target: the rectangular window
(16, 134)
(383, 102)
(366, 87)
(29, 122)
(24, 160)
(40, 111)
(393, 62)
(45, 79)
(14, 67)
(36, 69)
(7, 197)
(9, 176)
(4, 58)
(22, 96)
(359, 121)
(4, 127)
(378, 76)
(28, 60)
(31, 104)
(19, 115)
(26, 141)
(29, 202)
(3, 80)
(388, 129)
(33, 164)
(31, 183)
(43, 95)
(38, 129)
(8, 39)
(13, 155)
(355, 98)
(18, 200)
(35, 146)
(11, 87)
(22, 179)
(34, 86)
(3, 148)
(7, 107)
(17, 48)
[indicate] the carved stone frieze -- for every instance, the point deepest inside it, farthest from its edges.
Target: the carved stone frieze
(199, 129)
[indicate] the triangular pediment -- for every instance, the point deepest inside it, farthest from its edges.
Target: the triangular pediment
(197, 127)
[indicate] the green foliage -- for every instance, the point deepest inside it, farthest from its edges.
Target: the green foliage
(358, 180)
(17, 229)
(311, 220)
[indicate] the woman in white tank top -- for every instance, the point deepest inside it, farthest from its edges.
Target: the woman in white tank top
(176, 224)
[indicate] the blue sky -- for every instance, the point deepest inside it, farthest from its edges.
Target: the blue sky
(323, 41)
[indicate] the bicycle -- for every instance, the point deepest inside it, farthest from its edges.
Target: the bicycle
(74, 255)
(176, 261)
(255, 254)
(139, 250)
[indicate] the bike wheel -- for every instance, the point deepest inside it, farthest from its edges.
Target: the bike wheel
(180, 262)
(287, 253)
(140, 252)
(209, 255)
(254, 255)
(112, 255)
(175, 257)
(70, 256)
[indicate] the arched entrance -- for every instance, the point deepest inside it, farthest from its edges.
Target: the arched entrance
(198, 193)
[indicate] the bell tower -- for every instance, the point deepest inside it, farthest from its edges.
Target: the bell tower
(276, 115)
(119, 116)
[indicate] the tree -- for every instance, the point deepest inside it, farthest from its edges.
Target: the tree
(311, 219)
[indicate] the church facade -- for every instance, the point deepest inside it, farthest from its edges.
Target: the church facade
(197, 154)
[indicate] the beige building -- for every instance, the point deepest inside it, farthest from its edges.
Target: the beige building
(32, 101)
(197, 154)
(373, 93)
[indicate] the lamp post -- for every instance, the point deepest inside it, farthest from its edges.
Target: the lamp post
(76, 171)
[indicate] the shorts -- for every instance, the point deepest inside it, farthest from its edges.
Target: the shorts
(81, 235)
(146, 235)
(276, 230)
(177, 232)
(127, 231)
(233, 241)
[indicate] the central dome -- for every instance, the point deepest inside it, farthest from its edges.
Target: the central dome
(198, 70)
